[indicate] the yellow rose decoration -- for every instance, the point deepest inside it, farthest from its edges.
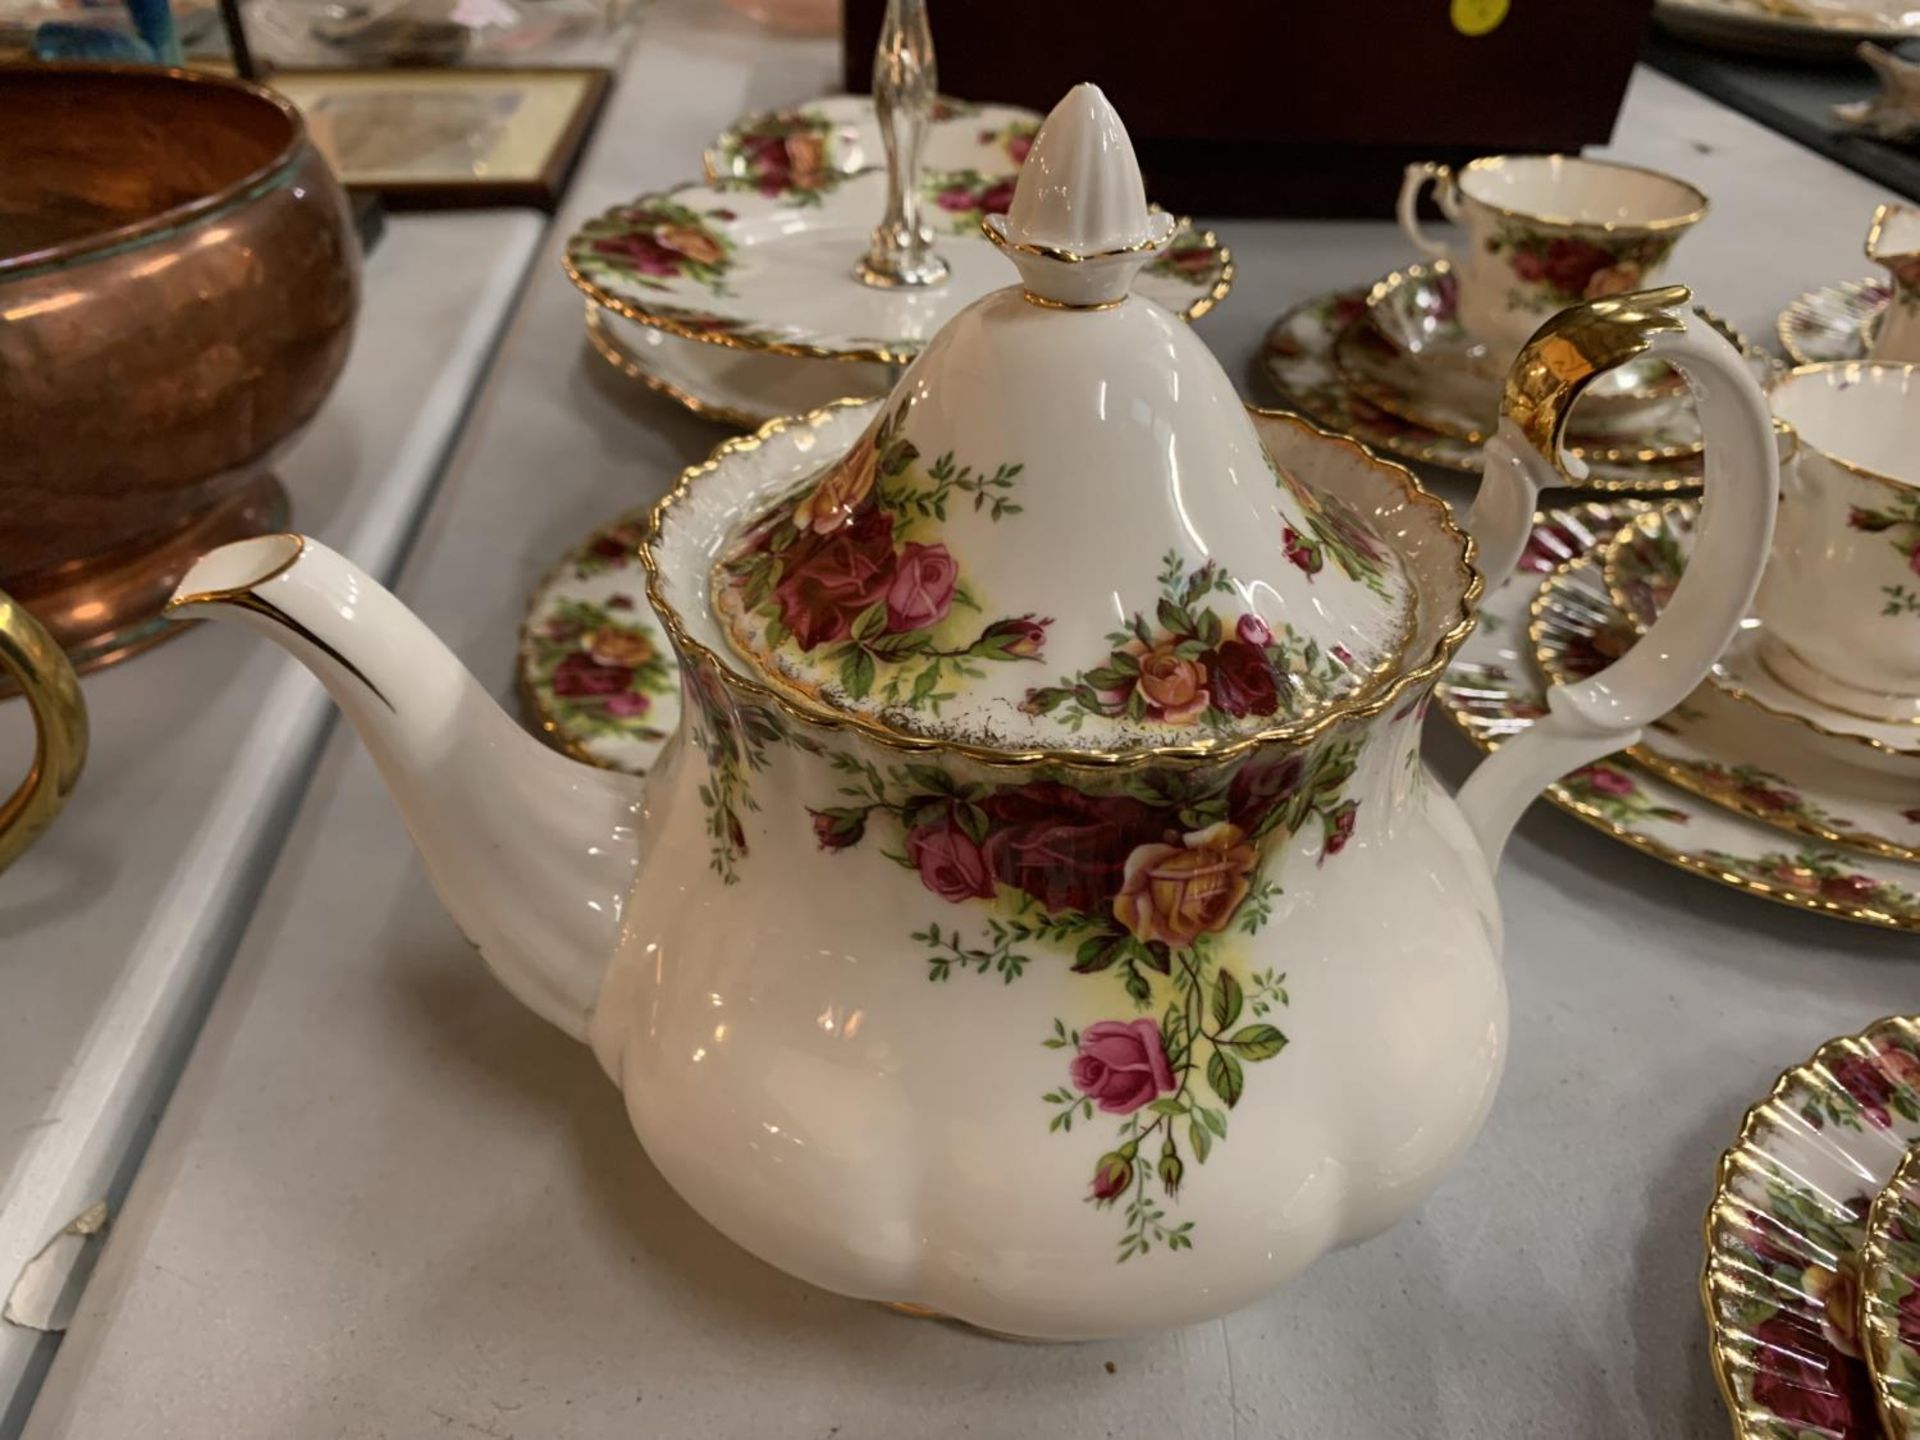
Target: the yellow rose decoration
(1176, 893)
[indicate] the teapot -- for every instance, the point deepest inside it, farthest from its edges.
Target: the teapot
(1042, 915)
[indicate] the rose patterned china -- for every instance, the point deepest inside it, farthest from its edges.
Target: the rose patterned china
(1458, 401)
(1493, 690)
(798, 153)
(595, 668)
(1718, 748)
(1052, 723)
(1789, 29)
(1782, 1282)
(1298, 361)
(1894, 241)
(1890, 1299)
(1833, 322)
(1642, 565)
(1546, 231)
(742, 388)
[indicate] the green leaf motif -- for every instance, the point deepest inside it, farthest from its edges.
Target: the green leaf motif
(870, 620)
(1226, 1078)
(1256, 1042)
(856, 673)
(1227, 999)
(1201, 1139)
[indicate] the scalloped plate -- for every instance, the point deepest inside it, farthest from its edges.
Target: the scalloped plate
(595, 666)
(1833, 322)
(1784, 1231)
(1890, 1300)
(1298, 361)
(1721, 750)
(1493, 690)
(742, 388)
(732, 266)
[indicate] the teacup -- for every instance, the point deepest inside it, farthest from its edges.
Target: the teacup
(1841, 596)
(1894, 241)
(1547, 231)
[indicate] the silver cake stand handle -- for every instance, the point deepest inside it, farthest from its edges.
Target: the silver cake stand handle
(904, 83)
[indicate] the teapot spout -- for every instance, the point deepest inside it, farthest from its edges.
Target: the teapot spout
(532, 854)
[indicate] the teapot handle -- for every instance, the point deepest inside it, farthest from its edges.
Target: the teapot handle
(1407, 209)
(40, 668)
(1607, 711)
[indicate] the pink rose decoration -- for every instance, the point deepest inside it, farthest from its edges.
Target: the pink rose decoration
(1304, 553)
(1253, 630)
(922, 589)
(579, 676)
(1873, 1081)
(1122, 1064)
(1606, 781)
(1913, 559)
(951, 865)
(628, 704)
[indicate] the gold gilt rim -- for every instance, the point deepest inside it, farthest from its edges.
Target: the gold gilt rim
(1722, 1218)
(1616, 511)
(879, 355)
(1879, 1330)
(1611, 227)
(628, 364)
(1384, 397)
(1383, 289)
(1852, 292)
(1002, 241)
(1616, 591)
(549, 723)
(1881, 214)
(1207, 752)
(1548, 658)
(1849, 370)
(1693, 864)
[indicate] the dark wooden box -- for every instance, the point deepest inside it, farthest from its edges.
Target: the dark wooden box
(1291, 107)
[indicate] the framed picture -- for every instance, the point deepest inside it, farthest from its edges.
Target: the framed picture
(447, 139)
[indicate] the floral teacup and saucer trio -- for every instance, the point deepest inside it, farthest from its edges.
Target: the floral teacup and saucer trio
(1413, 364)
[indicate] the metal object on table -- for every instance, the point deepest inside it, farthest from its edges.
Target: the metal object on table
(28, 654)
(905, 81)
(178, 280)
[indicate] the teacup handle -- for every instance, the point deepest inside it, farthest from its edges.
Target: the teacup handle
(40, 668)
(1408, 208)
(1607, 711)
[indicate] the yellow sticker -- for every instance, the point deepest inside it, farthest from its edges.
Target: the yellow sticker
(1477, 17)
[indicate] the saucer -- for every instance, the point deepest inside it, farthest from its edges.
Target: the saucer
(1298, 361)
(595, 667)
(742, 388)
(1644, 562)
(1834, 322)
(799, 154)
(1718, 748)
(1417, 311)
(1493, 690)
(1781, 29)
(1789, 1214)
(1890, 1300)
(1455, 400)
(731, 266)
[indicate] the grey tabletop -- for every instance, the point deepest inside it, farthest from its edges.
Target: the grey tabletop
(114, 927)
(387, 1201)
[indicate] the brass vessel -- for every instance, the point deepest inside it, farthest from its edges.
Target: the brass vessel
(178, 282)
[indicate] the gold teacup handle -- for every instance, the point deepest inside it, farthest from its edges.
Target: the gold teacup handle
(40, 669)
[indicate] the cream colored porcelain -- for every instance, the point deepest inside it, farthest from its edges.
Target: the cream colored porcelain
(1066, 1030)
(1841, 601)
(1894, 241)
(1546, 231)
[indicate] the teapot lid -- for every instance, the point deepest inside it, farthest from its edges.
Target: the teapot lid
(1061, 531)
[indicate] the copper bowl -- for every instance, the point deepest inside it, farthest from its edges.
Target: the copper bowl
(178, 280)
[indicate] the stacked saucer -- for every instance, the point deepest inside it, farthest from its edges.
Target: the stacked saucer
(738, 296)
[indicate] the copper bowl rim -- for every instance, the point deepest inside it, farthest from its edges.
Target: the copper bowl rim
(175, 217)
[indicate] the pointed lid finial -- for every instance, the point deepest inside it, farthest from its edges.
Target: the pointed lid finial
(1079, 226)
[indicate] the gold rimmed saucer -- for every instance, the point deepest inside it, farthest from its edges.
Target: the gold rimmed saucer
(1643, 564)
(1719, 749)
(1890, 1300)
(1833, 322)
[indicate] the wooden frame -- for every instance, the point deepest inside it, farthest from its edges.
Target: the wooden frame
(531, 150)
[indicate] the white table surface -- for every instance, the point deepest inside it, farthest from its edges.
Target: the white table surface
(386, 1201)
(116, 926)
